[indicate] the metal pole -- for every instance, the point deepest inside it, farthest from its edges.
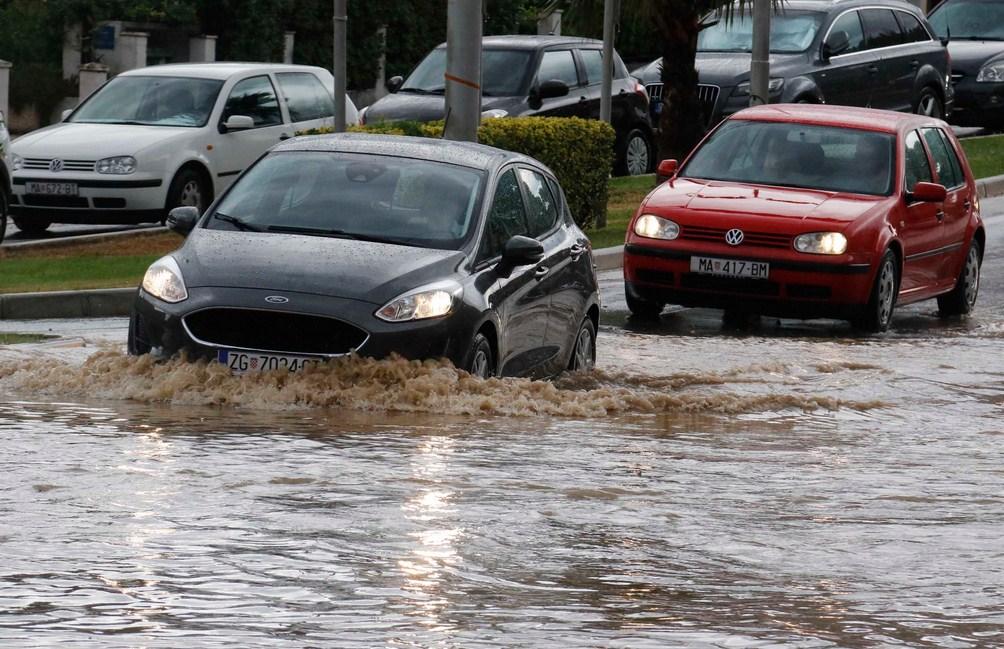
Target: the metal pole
(760, 64)
(463, 70)
(609, 18)
(338, 70)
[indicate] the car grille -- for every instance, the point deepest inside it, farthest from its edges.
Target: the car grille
(68, 165)
(730, 285)
(765, 239)
(34, 200)
(957, 76)
(707, 94)
(273, 331)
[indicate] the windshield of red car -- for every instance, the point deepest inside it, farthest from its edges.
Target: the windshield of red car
(796, 155)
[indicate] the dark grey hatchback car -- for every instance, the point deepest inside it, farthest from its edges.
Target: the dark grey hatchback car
(377, 244)
(872, 53)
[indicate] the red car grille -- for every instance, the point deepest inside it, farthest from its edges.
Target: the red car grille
(766, 239)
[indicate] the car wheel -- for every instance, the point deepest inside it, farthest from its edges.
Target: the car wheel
(962, 299)
(136, 345)
(636, 157)
(642, 308)
(188, 189)
(584, 351)
(877, 315)
(929, 104)
(3, 214)
(480, 359)
(32, 228)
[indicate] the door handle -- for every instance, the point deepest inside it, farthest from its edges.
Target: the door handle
(284, 137)
(940, 214)
(576, 251)
(873, 69)
(967, 204)
(541, 271)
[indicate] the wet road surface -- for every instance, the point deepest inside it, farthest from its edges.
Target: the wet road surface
(791, 484)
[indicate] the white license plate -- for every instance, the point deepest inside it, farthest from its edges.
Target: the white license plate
(51, 189)
(729, 267)
(241, 362)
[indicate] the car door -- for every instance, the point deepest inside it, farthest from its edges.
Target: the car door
(256, 98)
(519, 300)
(847, 76)
(894, 79)
(307, 101)
(560, 65)
(958, 202)
(920, 52)
(922, 231)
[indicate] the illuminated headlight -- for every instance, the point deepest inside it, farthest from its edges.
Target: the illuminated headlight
(119, 165)
(821, 243)
(16, 162)
(773, 87)
(163, 281)
(991, 73)
(656, 227)
(494, 112)
(421, 304)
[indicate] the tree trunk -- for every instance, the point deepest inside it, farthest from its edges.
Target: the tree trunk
(682, 122)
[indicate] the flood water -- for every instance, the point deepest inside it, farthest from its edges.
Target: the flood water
(792, 485)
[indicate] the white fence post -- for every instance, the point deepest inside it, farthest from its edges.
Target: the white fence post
(91, 77)
(71, 51)
(202, 49)
(550, 24)
(5, 67)
(287, 50)
(132, 50)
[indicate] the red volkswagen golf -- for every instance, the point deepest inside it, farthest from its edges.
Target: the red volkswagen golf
(811, 211)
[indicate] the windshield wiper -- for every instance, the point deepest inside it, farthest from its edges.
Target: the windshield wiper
(240, 224)
(330, 232)
(417, 91)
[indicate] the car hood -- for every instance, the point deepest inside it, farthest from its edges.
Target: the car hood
(721, 68)
(425, 108)
(707, 199)
(92, 141)
(969, 56)
(356, 270)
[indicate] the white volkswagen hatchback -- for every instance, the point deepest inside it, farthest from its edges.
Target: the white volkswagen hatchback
(4, 175)
(155, 138)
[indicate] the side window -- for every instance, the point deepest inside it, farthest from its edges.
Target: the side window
(542, 211)
(306, 98)
(947, 175)
(593, 60)
(560, 65)
(953, 157)
(254, 97)
(507, 218)
(913, 31)
(846, 29)
(881, 28)
(917, 167)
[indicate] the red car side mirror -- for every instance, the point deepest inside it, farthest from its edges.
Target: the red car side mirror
(665, 171)
(928, 193)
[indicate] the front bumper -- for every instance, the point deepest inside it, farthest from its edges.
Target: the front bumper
(99, 198)
(978, 104)
(162, 327)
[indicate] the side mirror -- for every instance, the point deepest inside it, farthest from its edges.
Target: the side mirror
(394, 83)
(522, 251)
(927, 193)
(182, 219)
(546, 90)
(667, 169)
(66, 113)
(837, 43)
(238, 123)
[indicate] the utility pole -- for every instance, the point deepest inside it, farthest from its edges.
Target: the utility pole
(338, 70)
(610, 8)
(463, 70)
(760, 64)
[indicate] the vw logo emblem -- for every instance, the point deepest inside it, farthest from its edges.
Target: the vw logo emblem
(56, 165)
(276, 299)
(734, 237)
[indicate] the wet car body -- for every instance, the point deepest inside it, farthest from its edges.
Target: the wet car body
(5, 188)
(292, 294)
(930, 239)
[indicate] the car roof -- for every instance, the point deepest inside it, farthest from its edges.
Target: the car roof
(827, 5)
(215, 70)
(868, 119)
(465, 154)
(532, 42)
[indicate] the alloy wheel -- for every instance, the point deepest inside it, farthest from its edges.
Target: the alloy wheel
(479, 366)
(886, 293)
(929, 105)
(584, 358)
(191, 194)
(636, 156)
(971, 276)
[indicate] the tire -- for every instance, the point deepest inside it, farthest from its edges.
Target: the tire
(4, 209)
(480, 359)
(584, 351)
(135, 344)
(877, 314)
(642, 308)
(31, 228)
(962, 299)
(635, 157)
(929, 104)
(188, 188)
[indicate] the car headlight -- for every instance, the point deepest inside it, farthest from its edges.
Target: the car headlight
(16, 162)
(773, 87)
(494, 112)
(821, 243)
(656, 227)
(991, 73)
(163, 281)
(119, 165)
(427, 302)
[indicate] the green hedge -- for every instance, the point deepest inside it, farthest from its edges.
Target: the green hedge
(580, 152)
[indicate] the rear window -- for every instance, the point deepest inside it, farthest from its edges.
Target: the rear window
(796, 155)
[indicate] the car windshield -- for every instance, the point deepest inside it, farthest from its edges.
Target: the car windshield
(790, 32)
(969, 20)
(151, 101)
(502, 73)
(355, 196)
(796, 155)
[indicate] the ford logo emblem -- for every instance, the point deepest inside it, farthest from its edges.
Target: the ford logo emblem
(734, 237)
(276, 299)
(56, 165)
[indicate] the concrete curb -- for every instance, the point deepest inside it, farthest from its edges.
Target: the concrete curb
(81, 238)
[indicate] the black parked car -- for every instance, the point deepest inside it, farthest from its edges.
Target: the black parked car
(378, 244)
(975, 31)
(552, 76)
(873, 53)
